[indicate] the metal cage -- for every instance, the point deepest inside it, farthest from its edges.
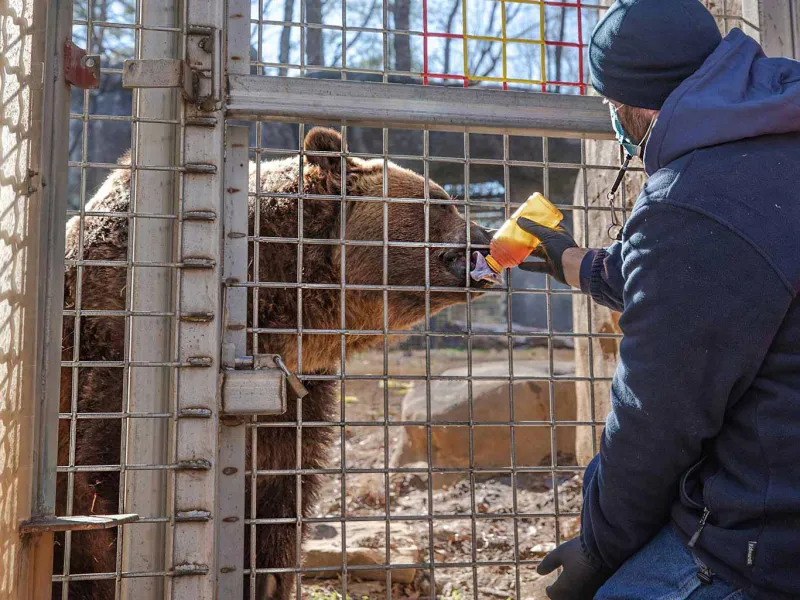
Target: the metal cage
(254, 310)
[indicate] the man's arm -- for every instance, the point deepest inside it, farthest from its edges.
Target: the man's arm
(595, 272)
(572, 259)
(600, 276)
(701, 309)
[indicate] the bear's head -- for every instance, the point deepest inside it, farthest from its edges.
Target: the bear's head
(402, 223)
(393, 283)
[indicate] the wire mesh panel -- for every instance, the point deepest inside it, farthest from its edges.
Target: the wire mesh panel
(119, 352)
(527, 44)
(439, 434)
(135, 305)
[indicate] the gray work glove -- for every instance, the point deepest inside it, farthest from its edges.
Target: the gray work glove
(582, 576)
(554, 242)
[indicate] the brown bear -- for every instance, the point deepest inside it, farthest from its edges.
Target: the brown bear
(102, 337)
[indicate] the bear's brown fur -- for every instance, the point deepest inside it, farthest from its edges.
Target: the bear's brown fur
(102, 338)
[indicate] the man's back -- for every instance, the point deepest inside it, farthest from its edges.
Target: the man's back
(748, 476)
(710, 260)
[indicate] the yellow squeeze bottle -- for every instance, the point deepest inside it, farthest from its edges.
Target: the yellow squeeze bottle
(511, 244)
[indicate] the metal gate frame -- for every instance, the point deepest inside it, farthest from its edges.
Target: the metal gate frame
(253, 98)
(385, 105)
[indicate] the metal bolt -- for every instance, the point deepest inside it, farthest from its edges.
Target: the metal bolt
(205, 44)
(89, 63)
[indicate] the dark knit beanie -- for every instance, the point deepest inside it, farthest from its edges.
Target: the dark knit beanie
(641, 50)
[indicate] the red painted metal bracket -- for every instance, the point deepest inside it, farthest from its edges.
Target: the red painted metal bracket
(80, 69)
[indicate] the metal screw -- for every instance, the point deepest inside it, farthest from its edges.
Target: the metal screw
(205, 44)
(89, 63)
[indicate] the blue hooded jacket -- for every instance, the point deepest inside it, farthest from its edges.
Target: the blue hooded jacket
(706, 398)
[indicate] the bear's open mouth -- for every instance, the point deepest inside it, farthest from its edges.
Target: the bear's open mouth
(456, 261)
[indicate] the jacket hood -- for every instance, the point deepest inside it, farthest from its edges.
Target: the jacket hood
(738, 93)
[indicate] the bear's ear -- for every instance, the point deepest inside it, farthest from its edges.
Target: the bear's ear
(322, 139)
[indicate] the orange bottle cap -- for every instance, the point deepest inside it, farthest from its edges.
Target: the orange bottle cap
(493, 264)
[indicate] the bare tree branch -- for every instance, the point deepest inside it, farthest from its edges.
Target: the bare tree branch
(313, 34)
(283, 55)
(338, 53)
(486, 49)
(447, 42)
(559, 50)
(402, 43)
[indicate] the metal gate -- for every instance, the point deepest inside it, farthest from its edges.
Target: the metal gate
(257, 308)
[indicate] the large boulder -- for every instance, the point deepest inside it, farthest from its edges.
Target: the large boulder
(491, 403)
(366, 546)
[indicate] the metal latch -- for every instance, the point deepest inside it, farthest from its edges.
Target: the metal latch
(161, 73)
(256, 385)
(174, 73)
(80, 69)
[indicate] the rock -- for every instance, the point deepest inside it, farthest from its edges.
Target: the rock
(542, 550)
(366, 545)
(490, 402)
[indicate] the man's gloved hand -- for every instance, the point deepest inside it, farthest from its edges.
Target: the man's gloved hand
(554, 242)
(582, 576)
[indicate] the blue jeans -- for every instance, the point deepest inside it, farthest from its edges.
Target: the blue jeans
(665, 569)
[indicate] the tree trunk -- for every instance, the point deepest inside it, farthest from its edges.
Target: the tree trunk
(313, 34)
(283, 56)
(596, 319)
(402, 43)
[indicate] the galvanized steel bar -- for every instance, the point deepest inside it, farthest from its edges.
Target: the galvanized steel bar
(417, 107)
(54, 144)
(232, 432)
(33, 142)
(151, 292)
(193, 542)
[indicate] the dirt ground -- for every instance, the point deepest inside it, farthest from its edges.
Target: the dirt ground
(472, 557)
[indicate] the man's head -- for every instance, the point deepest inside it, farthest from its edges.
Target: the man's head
(636, 122)
(642, 50)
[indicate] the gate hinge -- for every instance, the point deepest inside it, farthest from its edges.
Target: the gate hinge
(80, 69)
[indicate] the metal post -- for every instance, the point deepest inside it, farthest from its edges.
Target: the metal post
(233, 432)
(153, 192)
(199, 244)
(29, 32)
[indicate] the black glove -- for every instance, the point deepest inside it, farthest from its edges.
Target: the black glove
(553, 244)
(582, 576)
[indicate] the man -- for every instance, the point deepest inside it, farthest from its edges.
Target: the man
(695, 492)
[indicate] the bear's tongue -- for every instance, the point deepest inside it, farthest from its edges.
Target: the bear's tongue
(482, 270)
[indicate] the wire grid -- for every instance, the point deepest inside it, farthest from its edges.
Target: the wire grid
(361, 491)
(517, 44)
(121, 295)
(729, 14)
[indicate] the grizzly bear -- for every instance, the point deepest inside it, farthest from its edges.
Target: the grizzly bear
(406, 275)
